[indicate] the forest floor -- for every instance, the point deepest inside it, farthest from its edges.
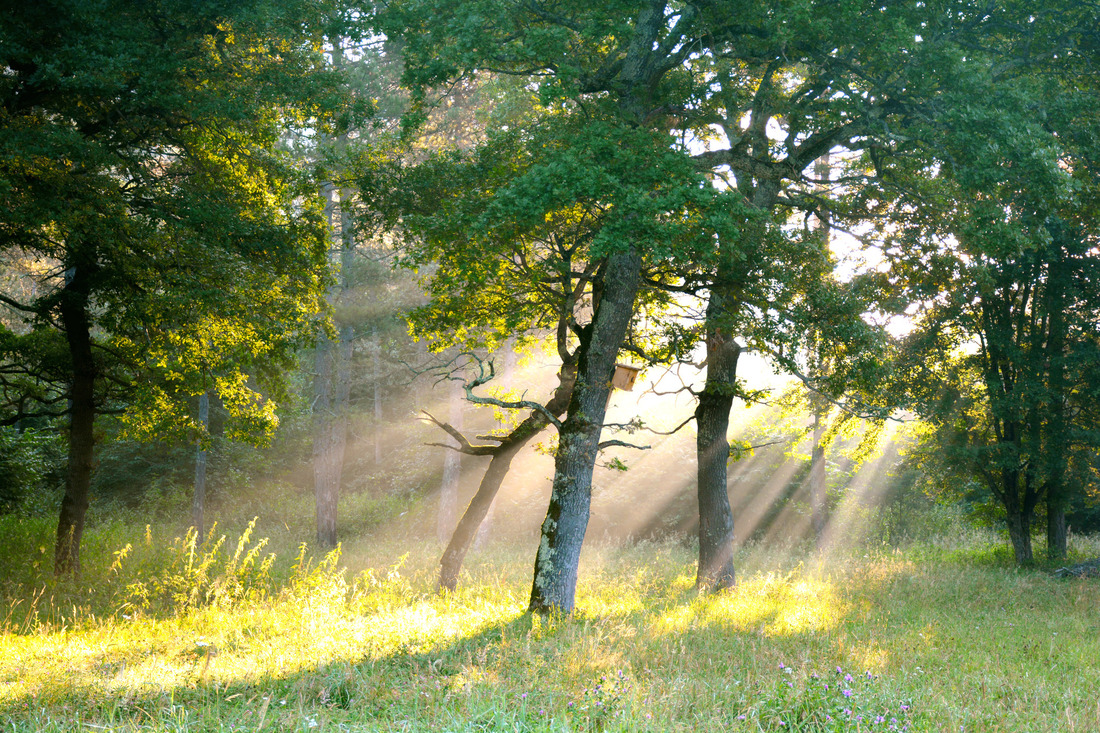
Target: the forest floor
(939, 636)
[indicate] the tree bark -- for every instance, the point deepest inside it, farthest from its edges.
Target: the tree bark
(712, 414)
(1019, 532)
(1054, 447)
(1018, 511)
(555, 575)
(74, 504)
(198, 498)
(475, 513)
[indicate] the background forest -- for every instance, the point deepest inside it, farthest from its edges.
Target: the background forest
(700, 323)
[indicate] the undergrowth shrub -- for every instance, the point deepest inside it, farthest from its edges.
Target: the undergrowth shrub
(834, 701)
(192, 575)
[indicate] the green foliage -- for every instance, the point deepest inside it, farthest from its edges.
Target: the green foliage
(140, 166)
(31, 463)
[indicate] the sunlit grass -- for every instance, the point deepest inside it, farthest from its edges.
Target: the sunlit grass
(932, 639)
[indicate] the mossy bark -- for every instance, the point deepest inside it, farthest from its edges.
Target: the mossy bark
(554, 586)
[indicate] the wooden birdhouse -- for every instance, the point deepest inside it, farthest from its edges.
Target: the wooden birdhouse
(624, 377)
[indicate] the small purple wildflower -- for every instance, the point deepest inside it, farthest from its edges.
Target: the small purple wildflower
(904, 708)
(847, 692)
(570, 704)
(740, 717)
(523, 696)
(880, 719)
(839, 670)
(648, 716)
(869, 675)
(847, 678)
(781, 665)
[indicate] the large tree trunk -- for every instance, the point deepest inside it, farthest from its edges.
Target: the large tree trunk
(716, 569)
(1018, 516)
(1019, 532)
(1054, 447)
(555, 576)
(198, 498)
(478, 509)
(74, 504)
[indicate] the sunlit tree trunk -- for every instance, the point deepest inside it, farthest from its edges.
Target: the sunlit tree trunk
(376, 394)
(452, 470)
(323, 418)
(555, 576)
(818, 487)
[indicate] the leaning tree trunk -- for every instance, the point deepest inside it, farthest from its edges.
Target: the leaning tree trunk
(712, 416)
(478, 509)
(555, 576)
(74, 504)
(452, 470)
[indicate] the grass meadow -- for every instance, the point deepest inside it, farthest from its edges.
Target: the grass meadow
(246, 634)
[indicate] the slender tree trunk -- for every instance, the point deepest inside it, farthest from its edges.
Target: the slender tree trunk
(555, 576)
(376, 369)
(712, 415)
(198, 498)
(332, 386)
(74, 504)
(324, 488)
(452, 470)
(817, 477)
(480, 505)
(507, 367)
